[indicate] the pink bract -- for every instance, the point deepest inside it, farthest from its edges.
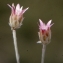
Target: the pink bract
(44, 26)
(17, 10)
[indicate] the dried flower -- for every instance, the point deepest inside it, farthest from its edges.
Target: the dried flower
(44, 32)
(16, 17)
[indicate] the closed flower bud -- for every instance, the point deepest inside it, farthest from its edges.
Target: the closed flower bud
(45, 32)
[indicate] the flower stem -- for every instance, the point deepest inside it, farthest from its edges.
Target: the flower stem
(43, 53)
(15, 45)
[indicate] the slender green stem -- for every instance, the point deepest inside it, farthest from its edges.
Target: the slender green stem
(43, 53)
(15, 45)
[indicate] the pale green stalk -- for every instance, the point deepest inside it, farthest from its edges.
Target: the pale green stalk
(15, 45)
(43, 53)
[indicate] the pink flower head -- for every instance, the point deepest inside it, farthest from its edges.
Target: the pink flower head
(45, 32)
(16, 15)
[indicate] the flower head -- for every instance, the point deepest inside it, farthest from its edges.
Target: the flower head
(16, 17)
(45, 31)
